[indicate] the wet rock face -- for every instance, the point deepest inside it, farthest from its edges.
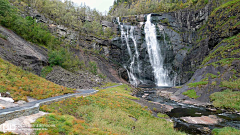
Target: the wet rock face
(21, 53)
(176, 33)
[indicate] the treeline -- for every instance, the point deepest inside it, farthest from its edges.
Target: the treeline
(135, 7)
(77, 17)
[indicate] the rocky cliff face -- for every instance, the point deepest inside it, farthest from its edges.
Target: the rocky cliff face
(22, 53)
(179, 32)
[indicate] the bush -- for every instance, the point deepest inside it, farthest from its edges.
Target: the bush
(93, 67)
(64, 59)
(45, 71)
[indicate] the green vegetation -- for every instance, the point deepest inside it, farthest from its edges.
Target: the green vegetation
(226, 131)
(178, 87)
(234, 85)
(161, 115)
(134, 7)
(45, 71)
(166, 21)
(211, 75)
(77, 17)
(65, 59)
(25, 27)
(226, 99)
(21, 84)
(110, 111)
(93, 67)
(222, 52)
(197, 84)
(38, 33)
(3, 37)
(191, 94)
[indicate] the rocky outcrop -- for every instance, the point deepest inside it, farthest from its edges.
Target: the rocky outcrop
(176, 34)
(22, 53)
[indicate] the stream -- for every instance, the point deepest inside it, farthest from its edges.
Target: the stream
(186, 110)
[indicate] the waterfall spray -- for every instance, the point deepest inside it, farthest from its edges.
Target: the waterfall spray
(154, 51)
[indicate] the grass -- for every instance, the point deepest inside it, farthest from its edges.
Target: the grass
(232, 84)
(161, 115)
(198, 84)
(222, 54)
(21, 83)
(110, 111)
(226, 131)
(191, 94)
(226, 99)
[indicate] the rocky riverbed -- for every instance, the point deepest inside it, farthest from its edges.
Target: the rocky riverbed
(190, 116)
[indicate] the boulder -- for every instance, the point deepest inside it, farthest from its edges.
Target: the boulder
(206, 120)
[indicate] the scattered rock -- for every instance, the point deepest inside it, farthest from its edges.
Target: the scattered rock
(74, 80)
(145, 95)
(207, 120)
(30, 99)
(204, 130)
(175, 98)
(20, 102)
(5, 104)
(212, 109)
(166, 94)
(7, 99)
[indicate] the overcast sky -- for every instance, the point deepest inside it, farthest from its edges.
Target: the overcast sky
(100, 5)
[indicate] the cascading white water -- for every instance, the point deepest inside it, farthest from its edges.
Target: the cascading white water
(154, 51)
(125, 36)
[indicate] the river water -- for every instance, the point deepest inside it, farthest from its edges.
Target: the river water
(186, 110)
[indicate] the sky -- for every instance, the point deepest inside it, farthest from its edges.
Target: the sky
(100, 5)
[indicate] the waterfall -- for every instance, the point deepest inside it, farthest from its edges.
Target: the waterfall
(154, 51)
(134, 58)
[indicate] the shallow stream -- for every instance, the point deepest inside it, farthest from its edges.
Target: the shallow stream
(186, 110)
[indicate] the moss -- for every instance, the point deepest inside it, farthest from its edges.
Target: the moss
(197, 84)
(222, 52)
(161, 115)
(191, 93)
(235, 85)
(226, 99)
(211, 75)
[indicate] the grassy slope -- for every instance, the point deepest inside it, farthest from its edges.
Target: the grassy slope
(222, 20)
(21, 83)
(110, 111)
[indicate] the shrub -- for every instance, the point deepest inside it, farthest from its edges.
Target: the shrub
(3, 37)
(45, 71)
(64, 59)
(93, 67)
